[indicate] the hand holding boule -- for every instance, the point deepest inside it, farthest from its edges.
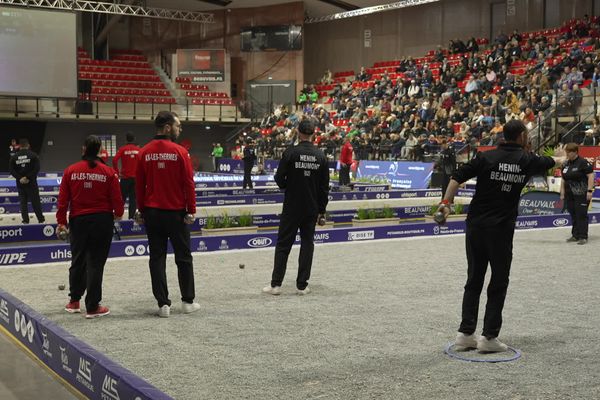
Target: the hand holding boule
(138, 218)
(321, 220)
(189, 219)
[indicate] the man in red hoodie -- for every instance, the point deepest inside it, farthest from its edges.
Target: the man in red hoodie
(167, 203)
(128, 155)
(89, 190)
(345, 161)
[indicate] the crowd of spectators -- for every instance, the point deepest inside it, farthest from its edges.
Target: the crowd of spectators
(461, 95)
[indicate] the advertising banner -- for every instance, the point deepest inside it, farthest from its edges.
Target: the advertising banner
(399, 174)
(139, 247)
(540, 203)
(87, 370)
(201, 65)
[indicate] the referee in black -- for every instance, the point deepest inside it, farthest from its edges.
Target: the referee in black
(501, 175)
(304, 175)
(249, 158)
(24, 167)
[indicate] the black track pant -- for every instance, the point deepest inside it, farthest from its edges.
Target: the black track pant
(577, 206)
(445, 183)
(30, 192)
(288, 227)
(494, 246)
(247, 175)
(91, 236)
(128, 191)
(344, 174)
(162, 226)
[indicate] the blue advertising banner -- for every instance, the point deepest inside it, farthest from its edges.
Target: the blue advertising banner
(139, 247)
(268, 196)
(128, 228)
(399, 174)
(90, 372)
(230, 166)
(540, 203)
(270, 166)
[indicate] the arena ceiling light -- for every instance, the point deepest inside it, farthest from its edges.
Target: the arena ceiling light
(115, 8)
(369, 10)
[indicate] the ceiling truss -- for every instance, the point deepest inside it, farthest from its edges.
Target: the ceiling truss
(368, 10)
(117, 9)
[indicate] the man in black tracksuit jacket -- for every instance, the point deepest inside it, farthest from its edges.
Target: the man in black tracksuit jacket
(501, 175)
(249, 158)
(24, 167)
(304, 175)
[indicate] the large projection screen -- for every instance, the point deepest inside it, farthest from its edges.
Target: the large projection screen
(38, 53)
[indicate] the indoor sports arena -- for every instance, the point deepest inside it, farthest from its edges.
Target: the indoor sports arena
(424, 171)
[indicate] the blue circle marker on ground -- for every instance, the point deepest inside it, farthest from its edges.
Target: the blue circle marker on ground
(511, 354)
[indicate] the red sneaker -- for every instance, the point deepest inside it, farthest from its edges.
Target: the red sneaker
(99, 312)
(73, 307)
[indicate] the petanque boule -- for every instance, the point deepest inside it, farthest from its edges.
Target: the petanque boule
(242, 266)
(61, 287)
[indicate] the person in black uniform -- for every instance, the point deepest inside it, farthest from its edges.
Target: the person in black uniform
(249, 158)
(447, 164)
(24, 166)
(304, 175)
(576, 189)
(501, 175)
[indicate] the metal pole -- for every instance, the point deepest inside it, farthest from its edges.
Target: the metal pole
(57, 108)
(595, 99)
(556, 135)
(134, 109)
(187, 109)
(16, 107)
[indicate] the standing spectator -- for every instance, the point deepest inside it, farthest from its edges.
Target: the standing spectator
(24, 167)
(345, 162)
(249, 158)
(501, 175)
(167, 204)
(217, 154)
(89, 191)
(576, 189)
(304, 174)
(128, 155)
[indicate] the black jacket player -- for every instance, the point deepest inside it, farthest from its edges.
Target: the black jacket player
(304, 175)
(501, 175)
(24, 167)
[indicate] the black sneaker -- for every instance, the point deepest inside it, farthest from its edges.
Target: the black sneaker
(572, 239)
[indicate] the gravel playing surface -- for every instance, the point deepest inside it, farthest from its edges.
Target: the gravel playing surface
(374, 326)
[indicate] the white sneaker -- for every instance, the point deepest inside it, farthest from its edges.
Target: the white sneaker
(188, 308)
(466, 341)
(303, 292)
(492, 345)
(164, 311)
(274, 290)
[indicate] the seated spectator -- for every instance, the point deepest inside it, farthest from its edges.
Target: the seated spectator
(363, 76)
(414, 90)
(407, 152)
(589, 139)
(327, 78)
(472, 85)
(511, 102)
(576, 97)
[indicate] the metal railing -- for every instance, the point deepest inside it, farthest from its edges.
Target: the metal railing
(44, 107)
